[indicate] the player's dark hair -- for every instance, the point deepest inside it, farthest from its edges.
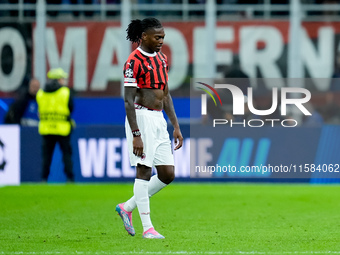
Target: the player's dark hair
(137, 27)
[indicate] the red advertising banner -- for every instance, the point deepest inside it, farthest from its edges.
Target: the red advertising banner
(94, 53)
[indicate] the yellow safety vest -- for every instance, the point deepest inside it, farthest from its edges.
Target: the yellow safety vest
(54, 113)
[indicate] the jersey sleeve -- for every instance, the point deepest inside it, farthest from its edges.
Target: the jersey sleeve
(166, 65)
(131, 73)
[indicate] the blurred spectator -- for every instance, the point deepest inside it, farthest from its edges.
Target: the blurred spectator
(153, 13)
(331, 12)
(315, 120)
(196, 13)
(55, 106)
(53, 13)
(330, 113)
(4, 12)
(236, 73)
(335, 83)
(280, 13)
(31, 12)
(330, 110)
(86, 2)
(14, 12)
(249, 2)
(24, 110)
(227, 12)
(112, 13)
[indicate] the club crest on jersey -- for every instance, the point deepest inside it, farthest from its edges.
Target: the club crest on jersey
(164, 63)
(129, 73)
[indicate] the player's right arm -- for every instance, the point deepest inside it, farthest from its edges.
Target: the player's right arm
(129, 98)
(130, 92)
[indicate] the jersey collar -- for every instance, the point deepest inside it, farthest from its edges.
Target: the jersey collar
(146, 53)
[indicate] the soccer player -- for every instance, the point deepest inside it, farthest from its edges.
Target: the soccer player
(146, 95)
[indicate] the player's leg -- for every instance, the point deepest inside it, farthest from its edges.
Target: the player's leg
(143, 167)
(164, 162)
(141, 200)
(155, 185)
(66, 149)
(141, 195)
(166, 173)
(162, 158)
(140, 191)
(48, 145)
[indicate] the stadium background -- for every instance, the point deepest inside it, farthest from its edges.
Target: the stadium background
(88, 41)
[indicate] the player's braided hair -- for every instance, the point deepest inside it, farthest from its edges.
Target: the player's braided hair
(137, 27)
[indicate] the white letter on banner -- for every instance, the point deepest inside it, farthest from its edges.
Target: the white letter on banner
(179, 54)
(181, 157)
(113, 157)
(319, 62)
(92, 156)
(223, 56)
(12, 37)
(105, 71)
(9, 155)
(128, 171)
(265, 59)
(74, 49)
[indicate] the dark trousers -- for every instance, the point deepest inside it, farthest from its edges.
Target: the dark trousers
(48, 145)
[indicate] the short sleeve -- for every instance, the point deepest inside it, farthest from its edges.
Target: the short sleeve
(130, 73)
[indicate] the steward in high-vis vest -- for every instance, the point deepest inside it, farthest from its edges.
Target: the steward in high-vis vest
(54, 112)
(55, 104)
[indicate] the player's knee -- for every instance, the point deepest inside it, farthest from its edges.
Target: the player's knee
(143, 172)
(169, 177)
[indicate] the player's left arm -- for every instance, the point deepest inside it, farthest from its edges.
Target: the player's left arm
(170, 111)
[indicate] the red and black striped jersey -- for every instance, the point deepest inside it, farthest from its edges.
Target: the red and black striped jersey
(146, 70)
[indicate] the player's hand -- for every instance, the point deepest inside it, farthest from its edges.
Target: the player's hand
(137, 146)
(178, 138)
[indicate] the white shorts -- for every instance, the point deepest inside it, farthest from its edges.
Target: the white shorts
(155, 137)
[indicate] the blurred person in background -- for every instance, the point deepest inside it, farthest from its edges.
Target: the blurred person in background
(111, 2)
(314, 120)
(330, 109)
(24, 110)
(146, 95)
(85, 2)
(53, 13)
(55, 104)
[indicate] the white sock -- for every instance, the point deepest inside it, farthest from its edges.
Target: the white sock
(140, 190)
(155, 185)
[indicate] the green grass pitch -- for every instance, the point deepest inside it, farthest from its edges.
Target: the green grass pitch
(194, 218)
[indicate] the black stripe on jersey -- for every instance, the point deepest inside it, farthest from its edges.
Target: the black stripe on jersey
(139, 71)
(152, 75)
(163, 69)
(143, 66)
(160, 80)
(132, 64)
